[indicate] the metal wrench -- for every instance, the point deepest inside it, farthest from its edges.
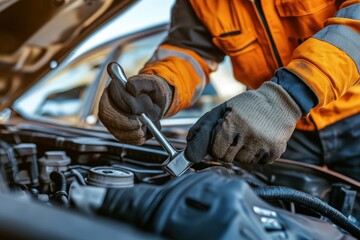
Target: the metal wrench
(177, 163)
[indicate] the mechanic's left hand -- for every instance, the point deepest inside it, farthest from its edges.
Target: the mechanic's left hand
(120, 107)
(252, 127)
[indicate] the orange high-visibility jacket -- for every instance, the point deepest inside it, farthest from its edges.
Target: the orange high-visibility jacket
(317, 40)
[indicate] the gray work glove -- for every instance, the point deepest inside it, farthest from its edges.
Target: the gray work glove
(252, 127)
(120, 106)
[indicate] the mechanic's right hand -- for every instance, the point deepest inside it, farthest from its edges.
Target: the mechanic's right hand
(120, 106)
(252, 127)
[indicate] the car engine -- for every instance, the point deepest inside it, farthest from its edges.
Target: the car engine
(64, 183)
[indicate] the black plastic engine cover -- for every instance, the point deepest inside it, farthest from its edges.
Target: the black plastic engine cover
(209, 206)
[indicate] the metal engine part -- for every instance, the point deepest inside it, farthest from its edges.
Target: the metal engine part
(109, 177)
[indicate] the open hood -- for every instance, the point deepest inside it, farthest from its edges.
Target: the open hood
(35, 33)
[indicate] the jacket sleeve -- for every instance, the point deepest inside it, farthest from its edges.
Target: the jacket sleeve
(329, 61)
(186, 57)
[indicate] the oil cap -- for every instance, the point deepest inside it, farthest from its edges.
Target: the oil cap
(110, 177)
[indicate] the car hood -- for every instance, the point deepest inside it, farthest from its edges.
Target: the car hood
(36, 35)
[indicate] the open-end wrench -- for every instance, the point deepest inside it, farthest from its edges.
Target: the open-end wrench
(177, 163)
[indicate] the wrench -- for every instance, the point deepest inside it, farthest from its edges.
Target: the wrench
(177, 163)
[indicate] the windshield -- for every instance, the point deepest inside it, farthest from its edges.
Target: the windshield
(62, 95)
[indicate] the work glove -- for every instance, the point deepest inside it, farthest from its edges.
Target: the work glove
(252, 127)
(120, 106)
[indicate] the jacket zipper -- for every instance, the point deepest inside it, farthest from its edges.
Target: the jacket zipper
(263, 19)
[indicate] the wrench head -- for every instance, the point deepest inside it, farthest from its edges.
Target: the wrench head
(178, 165)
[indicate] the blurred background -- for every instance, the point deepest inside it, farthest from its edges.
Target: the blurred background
(70, 91)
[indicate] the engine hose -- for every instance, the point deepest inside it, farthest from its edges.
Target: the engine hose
(79, 177)
(310, 202)
(59, 180)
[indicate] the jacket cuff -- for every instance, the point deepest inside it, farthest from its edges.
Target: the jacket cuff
(299, 91)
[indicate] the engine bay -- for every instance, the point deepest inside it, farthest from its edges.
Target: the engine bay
(67, 181)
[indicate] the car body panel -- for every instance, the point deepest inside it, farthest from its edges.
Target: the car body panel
(34, 42)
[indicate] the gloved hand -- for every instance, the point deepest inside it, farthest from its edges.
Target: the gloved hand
(120, 107)
(252, 127)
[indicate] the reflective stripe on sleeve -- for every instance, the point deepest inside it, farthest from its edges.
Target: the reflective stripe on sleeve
(343, 38)
(352, 12)
(163, 53)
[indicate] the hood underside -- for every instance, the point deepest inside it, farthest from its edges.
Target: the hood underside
(35, 33)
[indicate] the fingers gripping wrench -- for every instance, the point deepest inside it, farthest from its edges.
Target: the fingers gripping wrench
(176, 164)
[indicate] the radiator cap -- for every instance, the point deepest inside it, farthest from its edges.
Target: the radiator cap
(110, 177)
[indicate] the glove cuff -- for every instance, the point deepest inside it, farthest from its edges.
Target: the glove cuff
(168, 91)
(277, 94)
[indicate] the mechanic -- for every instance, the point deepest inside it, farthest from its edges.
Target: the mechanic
(302, 57)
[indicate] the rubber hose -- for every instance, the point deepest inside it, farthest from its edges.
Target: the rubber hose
(310, 202)
(59, 180)
(79, 177)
